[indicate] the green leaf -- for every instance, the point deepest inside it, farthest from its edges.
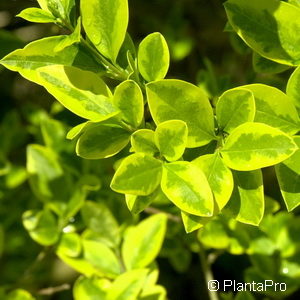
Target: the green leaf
(128, 98)
(292, 88)
(37, 15)
(42, 53)
(82, 92)
(153, 57)
(46, 176)
(138, 174)
(19, 294)
(42, 226)
(214, 235)
(105, 23)
(70, 244)
(43, 4)
(192, 223)
(187, 187)
(178, 100)
(143, 141)
(218, 176)
(136, 204)
(100, 220)
(235, 107)
(247, 200)
(128, 285)
(289, 180)
(142, 243)
(268, 26)
(102, 258)
(102, 141)
(255, 145)
(171, 139)
(274, 108)
(71, 39)
(90, 288)
(263, 65)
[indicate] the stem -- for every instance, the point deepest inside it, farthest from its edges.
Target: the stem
(207, 272)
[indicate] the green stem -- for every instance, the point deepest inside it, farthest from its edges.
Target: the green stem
(207, 272)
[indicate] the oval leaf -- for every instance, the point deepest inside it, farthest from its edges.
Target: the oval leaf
(274, 108)
(102, 141)
(82, 92)
(105, 23)
(143, 141)
(138, 174)
(292, 89)
(178, 100)
(36, 15)
(153, 57)
(137, 250)
(265, 25)
(171, 138)
(128, 98)
(255, 145)
(234, 108)
(218, 175)
(187, 187)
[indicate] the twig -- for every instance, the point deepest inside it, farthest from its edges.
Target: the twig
(53, 290)
(152, 211)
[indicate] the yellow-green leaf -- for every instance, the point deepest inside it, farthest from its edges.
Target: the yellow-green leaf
(178, 100)
(143, 141)
(138, 174)
(153, 57)
(128, 98)
(218, 175)
(171, 138)
(255, 145)
(142, 243)
(102, 141)
(105, 23)
(288, 175)
(187, 187)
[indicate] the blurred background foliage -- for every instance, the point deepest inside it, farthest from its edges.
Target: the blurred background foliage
(205, 52)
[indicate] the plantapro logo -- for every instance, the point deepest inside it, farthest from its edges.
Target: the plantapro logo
(235, 286)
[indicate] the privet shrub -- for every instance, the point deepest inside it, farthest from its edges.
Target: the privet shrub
(179, 154)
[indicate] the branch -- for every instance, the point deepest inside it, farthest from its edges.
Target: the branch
(152, 211)
(53, 290)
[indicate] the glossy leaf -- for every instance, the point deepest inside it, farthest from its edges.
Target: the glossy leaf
(102, 258)
(128, 285)
(268, 27)
(43, 4)
(82, 92)
(218, 176)
(255, 145)
(142, 243)
(105, 23)
(179, 100)
(289, 180)
(102, 141)
(70, 244)
(235, 107)
(171, 139)
(138, 174)
(153, 57)
(90, 288)
(274, 108)
(36, 15)
(247, 200)
(143, 141)
(42, 53)
(19, 294)
(128, 98)
(187, 187)
(292, 88)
